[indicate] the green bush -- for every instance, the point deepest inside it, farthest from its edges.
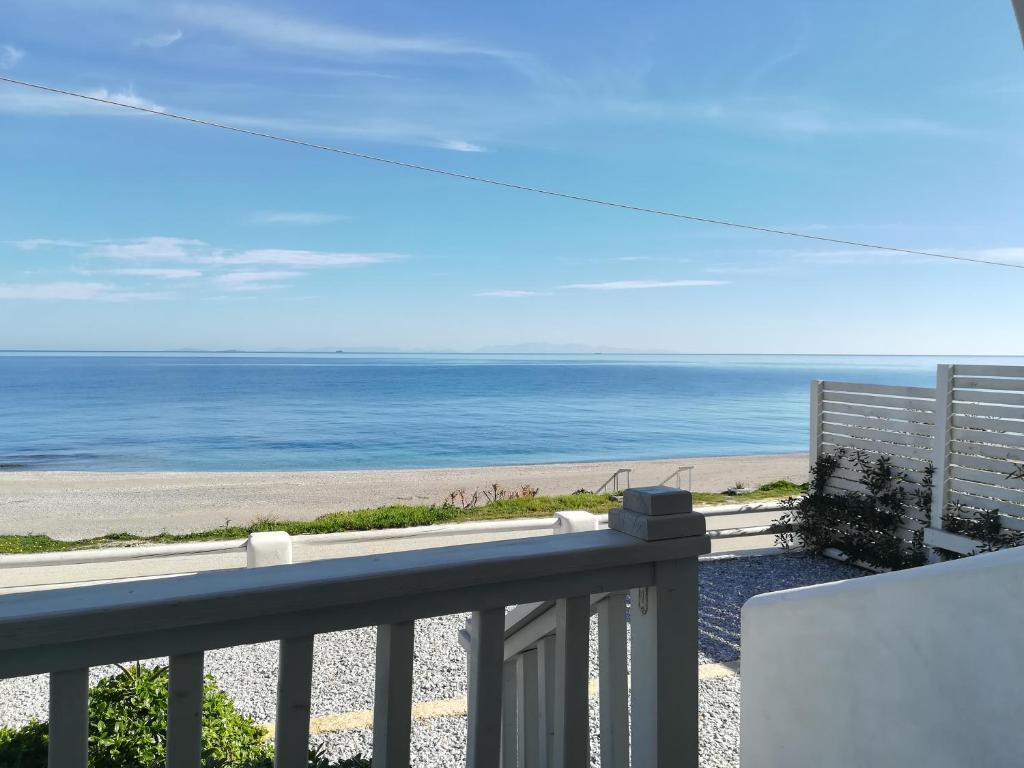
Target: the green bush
(128, 725)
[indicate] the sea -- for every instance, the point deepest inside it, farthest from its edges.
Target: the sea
(275, 411)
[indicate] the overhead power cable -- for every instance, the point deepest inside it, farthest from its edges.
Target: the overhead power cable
(504, 184)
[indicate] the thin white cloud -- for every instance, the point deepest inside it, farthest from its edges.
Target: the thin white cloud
(512, 294)
(456, 145)
(298, 258)
(156, 248)
(162, 274)
(42, 242)
(300, 218)
(10, 56)
(70, 291)
(159, 40)
(25, 102)
(295, 34)
(254, 281)
(631, 285)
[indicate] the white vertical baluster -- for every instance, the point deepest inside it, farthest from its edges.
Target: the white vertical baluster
(69, 719)
(483, 747)
(185, 711)
(528, 742)
(546, 700)
(294, 688)
(817, 392)
(392, 702)
(614, 684)
(663, 620)
(572, 676)
(509, 727)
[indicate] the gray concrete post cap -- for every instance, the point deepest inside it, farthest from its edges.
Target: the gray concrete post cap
(657, 500)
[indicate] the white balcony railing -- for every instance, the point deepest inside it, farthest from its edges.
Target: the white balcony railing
(651, 550)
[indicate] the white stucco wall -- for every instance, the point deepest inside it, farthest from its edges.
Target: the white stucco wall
(918, 668)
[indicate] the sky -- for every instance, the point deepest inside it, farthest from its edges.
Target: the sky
(894, 123)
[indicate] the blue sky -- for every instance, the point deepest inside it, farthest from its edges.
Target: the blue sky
(890, 122)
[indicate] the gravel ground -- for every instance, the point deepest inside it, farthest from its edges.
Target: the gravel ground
(344, 664)
(441, 742)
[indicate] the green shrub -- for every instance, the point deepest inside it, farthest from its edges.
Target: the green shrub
(128, 725)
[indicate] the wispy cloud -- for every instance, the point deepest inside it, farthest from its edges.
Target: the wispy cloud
(159, 40)
(254, 281)
(42, 242)
(161, 274)
(10, 56)
(632, 285)
(304, 36)
(512, 294)
(301, 218)
(296, 258)
(456, 145)
(25, 102)
(157, 248)
(70, 291)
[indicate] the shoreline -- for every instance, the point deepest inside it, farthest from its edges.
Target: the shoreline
(69, 504)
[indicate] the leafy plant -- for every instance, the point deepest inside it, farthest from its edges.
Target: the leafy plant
(984, 526)
(863, 525)
(128, 726)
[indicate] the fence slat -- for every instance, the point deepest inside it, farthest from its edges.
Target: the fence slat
(483, 741)
(69, 719)
(1004, 385)
(392, 697)
(509, 713)
(878, 389)
(1010, 371)
(886, 414)
(987, 424)
(1009, 495)
(998, 452)
(992, 411)
(572, 661)
(613, 681)
(892, 449)
(185, 711)
(880, 401)
(294, 689)
(993, 398)
(528, 722)
(1000, 467)
(879, 436)
(989, 437)
(883, 425)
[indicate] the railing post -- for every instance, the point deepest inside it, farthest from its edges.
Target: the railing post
(69, 719)
(664, 631)
(941, 444)
(817, 395)
(546, 700)
(392, 699)
(268, 548)
(185, 711)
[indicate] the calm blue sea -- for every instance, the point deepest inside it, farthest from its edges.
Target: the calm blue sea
(348, 411)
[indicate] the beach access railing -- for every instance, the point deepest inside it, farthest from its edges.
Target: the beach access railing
(113, 563)
(651, 549)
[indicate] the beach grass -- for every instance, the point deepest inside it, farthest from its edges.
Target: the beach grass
(379, 518)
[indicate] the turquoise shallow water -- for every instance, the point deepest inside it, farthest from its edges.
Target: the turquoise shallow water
(346, 411)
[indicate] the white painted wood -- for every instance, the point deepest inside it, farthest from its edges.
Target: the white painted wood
(268, 548)
(613, 681)
(833, 387)
(893, 449)
(883, 425)
(990, 437)
(575, 521)
(185, 711)
(483, 740)
(969, 371)
(997, 452)
(991, 411)
(878, 401)
(527, 711)
(509, 714)
(886, 414)
(883, 438)
(572, 661)
(814, 430)
(993, 479)
(663, 621)
(294, 688)
(546, 700)
(115, 622)
(1012, 511)
(946, 540)
(69, 719)
(392, 698)
(991, 398)
(1013, 496)
(977, 382)
(987, 424)
(999, 467)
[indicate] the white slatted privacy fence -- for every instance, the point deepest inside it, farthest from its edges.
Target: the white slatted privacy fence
(970, 427)
(651, 550)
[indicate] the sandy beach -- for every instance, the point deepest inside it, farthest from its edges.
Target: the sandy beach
(79, 504)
